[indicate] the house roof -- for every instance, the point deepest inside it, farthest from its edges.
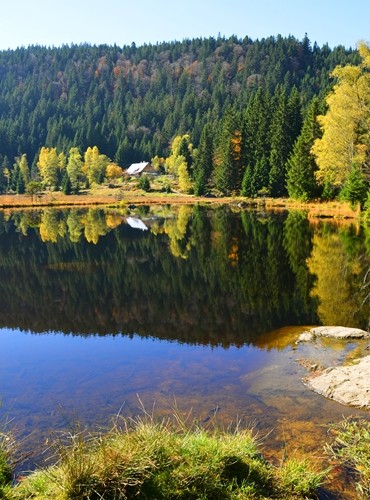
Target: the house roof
(137, 168)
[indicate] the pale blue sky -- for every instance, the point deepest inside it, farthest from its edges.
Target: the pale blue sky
(47, 22)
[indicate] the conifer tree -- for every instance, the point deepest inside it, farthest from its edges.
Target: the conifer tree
(355, 188)
(203, 163)
(279, 144)
(301, 167)
(256, 144)
(284, 129)
(228, 172)
(66, 184)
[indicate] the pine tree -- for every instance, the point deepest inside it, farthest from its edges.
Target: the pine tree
(301, 167)
(284, 130)
(355, 188)
(247, 184)
(203, 163)
(256, 142)
(228, 172)
(66, 184)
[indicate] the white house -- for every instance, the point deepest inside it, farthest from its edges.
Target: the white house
(139, 168)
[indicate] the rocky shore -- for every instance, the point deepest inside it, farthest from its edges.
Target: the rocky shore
(349, 384)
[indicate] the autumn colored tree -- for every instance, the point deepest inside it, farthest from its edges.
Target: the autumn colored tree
(74, 168)
(177, 163)
(113, 172)
(48, 165)
(95, 165)
(346, 125)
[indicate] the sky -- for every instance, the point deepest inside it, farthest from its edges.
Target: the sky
(121, 22)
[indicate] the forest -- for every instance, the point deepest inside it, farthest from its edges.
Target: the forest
(221, 115)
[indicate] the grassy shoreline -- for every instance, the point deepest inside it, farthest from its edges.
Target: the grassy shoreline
(166, 459)
(104, 196)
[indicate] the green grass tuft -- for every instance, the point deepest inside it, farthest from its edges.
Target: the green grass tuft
(351, 448)
(144, 459)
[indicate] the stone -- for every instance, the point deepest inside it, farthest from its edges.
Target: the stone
(335, 332)
(340, 332)
(306, 337)
(348, 385)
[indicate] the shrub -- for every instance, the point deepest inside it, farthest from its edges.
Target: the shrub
(144, 183)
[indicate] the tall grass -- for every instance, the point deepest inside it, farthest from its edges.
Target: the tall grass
(145, 459)
(351, 449)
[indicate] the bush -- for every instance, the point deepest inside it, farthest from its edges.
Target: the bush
(144, 183)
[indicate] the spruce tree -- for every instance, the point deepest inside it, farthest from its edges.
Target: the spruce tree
(301, 166)
(228, 169)
(284, 130)
(256, 143)
(203, 163)
(355, 188)
(66, 184)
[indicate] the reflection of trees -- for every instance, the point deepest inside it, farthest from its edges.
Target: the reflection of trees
(237, 278)
(339, 262)
(52, 224)
(298, 246)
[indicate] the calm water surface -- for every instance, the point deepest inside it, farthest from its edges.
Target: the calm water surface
(102, 312)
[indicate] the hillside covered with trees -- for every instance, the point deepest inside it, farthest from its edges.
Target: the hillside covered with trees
(228, 114)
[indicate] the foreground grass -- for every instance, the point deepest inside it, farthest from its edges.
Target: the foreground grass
(149, 460)
(351, 449)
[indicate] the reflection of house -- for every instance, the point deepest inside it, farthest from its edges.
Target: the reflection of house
(136, 223)
(140, 168)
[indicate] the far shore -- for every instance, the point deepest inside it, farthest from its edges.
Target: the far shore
(117, 197)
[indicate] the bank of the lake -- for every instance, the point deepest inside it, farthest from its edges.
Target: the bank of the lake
(169, 459)
(103, 196)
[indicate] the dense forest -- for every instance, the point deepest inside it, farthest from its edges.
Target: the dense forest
(242, 113)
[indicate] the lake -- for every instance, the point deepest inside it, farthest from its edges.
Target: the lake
(107, 312)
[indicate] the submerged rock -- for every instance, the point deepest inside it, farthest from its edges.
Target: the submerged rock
(348, 385)
(335, 332)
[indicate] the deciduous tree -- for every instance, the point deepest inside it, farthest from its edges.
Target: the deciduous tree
(346, 124)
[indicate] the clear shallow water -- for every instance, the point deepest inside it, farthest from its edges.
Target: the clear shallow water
(50, 380)
(98, 317)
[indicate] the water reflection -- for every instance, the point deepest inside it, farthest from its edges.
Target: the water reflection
(197, 275)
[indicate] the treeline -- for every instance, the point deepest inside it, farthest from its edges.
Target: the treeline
(132, 101)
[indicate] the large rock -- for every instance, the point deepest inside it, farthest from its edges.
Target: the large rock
(335, 332)
(349, 385)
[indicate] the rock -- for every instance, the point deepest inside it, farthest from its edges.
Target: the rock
(340, 332)
(335, 332)
(306, 337)
(348, 385)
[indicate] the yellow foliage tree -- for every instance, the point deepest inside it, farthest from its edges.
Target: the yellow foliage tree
(113, 171)
(48, 165)
(346, 125)
(95, 165)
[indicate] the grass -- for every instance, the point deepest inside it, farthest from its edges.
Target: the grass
(128, 193)
(144, 459)
(351, 448)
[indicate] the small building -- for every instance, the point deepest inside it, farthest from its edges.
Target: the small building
(140, 168)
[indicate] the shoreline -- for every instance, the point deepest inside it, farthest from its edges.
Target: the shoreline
(115, 198)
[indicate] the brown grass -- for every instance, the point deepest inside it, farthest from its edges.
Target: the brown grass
(106, 196)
